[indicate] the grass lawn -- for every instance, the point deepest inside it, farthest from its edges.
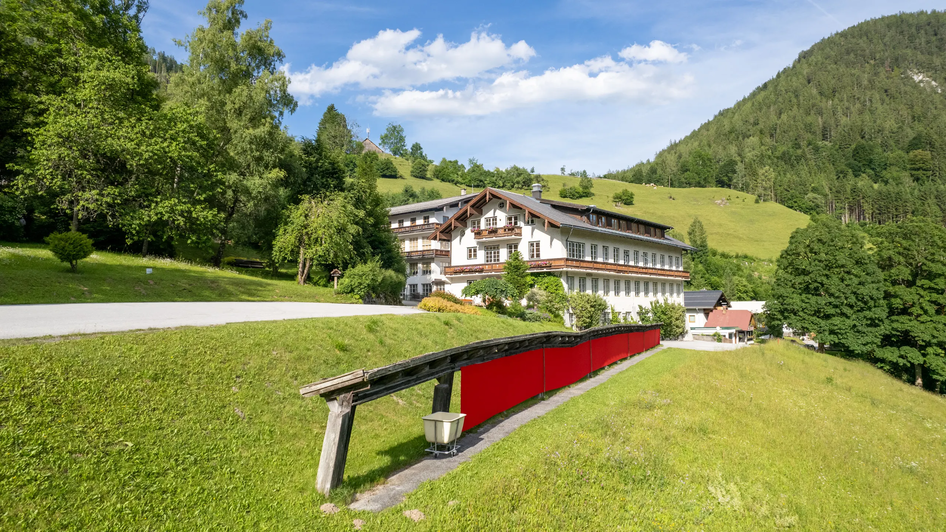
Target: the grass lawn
(772, 437)
(738, 226)
(204, 428)
(30, 274)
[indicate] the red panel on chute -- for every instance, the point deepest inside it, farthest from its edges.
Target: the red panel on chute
(492, 387)
(608, 350)
(637, 342)
(566, 365)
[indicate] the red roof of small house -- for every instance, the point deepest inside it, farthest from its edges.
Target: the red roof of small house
(741, 319)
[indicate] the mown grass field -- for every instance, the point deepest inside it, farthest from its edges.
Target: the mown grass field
(739, 226)
(30, 274)
(767, 438)
(204, 428)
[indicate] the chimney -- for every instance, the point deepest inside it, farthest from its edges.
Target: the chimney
(537, 191)
(463, 192)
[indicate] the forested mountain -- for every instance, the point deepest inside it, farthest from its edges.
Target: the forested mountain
(855, 127)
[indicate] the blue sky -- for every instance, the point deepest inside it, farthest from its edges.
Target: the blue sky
(588, 84)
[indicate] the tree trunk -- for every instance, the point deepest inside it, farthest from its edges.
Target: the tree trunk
(820, 347)
(218, 257)
(919, 374)
(75, 218)
(144, 248)
(301, 265)
(305, 273)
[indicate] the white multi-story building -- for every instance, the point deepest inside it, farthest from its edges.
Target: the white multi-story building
(628, 261)
(426, 258)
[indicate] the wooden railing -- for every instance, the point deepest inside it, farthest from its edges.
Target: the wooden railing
(415, 228)
(498, 232)
(426, 253)
(571, 264)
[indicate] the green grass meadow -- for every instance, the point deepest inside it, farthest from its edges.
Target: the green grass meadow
(204, 428)
(30, 274)
(738, 225)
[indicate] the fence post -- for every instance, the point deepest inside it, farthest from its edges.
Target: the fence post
(442, 393)
(341, 417)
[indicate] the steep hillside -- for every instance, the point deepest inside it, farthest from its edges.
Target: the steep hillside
(855, 126)
(734, 222)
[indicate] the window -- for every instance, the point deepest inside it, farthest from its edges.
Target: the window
(425, 244)
(646, 288)
(412, 270)
(617, 288)
(492, 253)
(413, 244)
(576, 250)
(657, 289)
(677, 259)
(530, 221)
(645, 259)
(403, 245)
(510, 249)
(653, 259)
(594, 285)
(593, 218)
(475, 225)
(604, 253)
(637, 288)
(427, 289)
(413, 221)
(582, 284)
(426, 269)
(627, 256)
(662, 263)
(489, 222)
(614, 223)
(512, 220)
(616, 252)
(413, 289)
(570, 279)
(663, 288)
(627, 288)
(470, 253)
(426, 220)
(637, 258)
(606, 285)
(594, 252)
(400, 223)
(534, 251)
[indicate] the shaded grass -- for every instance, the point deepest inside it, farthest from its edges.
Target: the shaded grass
(30, 274)
(771, 437)
(740, 227)
(204, 428)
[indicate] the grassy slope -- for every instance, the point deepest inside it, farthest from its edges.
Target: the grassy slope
(29, 274)
(759, 439)
(743, 226)
(141, 430)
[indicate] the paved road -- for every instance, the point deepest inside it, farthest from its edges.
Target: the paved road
(693, 345)
(29, 321)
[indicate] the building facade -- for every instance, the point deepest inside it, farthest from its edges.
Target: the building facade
(628, 261)
(426, 259)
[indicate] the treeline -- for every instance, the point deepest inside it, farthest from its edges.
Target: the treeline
(877, 293)
(854, 128)
(102, 135)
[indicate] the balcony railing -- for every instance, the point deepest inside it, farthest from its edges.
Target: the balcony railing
(417, 228)
(426, 254)
(571, 264)
(509, 231)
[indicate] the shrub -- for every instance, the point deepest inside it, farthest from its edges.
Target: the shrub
(419, 168)
(533, 316)
(492, 289)
(70, 247)
(447, 296)
(556, 300)
(369, 280)
(437, 304)
(624, 197)
(575, 193)
(386, 168)
(671, 316)
(515, 310)
(587, 308)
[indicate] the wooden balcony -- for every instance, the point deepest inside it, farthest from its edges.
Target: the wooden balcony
(417, 228)
(426, 254)
(572, 264)
(513, 231)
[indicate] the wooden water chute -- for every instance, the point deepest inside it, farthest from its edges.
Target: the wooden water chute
(343, 393)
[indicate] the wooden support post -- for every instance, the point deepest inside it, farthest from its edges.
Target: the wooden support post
(442, 393)
(341, 417)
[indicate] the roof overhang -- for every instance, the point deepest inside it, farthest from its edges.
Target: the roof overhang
(475, 207)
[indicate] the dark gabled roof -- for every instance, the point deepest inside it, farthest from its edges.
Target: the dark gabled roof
(589, 209)
(431, 205)
(554, 212)
(704, 299)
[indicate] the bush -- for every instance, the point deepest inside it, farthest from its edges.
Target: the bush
(437, 304)
(671, 316)
(419, 168)
(369, 280)
(575, 193)
(70, 247)
(11, 212)
(624, 197)
(492, 290)
(533, 316)
(587, 308)
(386, 168)
(515, 310)
(447, 296)
(556, 300)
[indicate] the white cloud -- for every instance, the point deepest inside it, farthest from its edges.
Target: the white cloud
(598, 79)
(388, 61)
(655, 52)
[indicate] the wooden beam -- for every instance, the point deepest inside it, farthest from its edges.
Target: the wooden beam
(442, 393)
(341, 417)
(332, 384)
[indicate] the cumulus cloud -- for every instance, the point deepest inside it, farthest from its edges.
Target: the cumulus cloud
(601, 78)
(389, 61)
(655, 52)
